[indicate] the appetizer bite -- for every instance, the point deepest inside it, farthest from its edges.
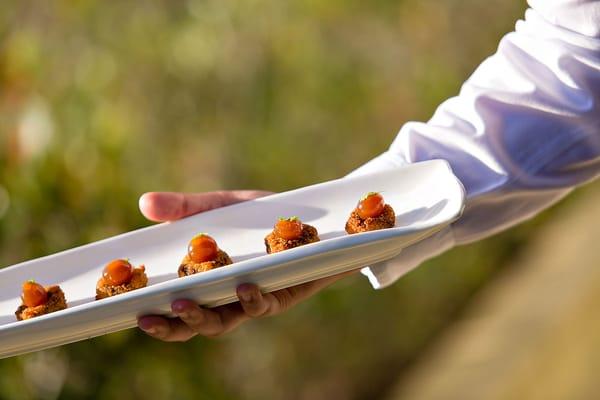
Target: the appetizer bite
(120, 276)
(288, 233)
(203, 255)
(38, 300)
(371, 214)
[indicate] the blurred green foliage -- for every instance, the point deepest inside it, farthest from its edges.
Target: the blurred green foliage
(102, 101)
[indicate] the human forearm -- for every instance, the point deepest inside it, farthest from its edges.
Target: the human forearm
(524, 130)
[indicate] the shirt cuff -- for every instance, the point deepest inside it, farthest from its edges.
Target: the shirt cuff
(387, 272)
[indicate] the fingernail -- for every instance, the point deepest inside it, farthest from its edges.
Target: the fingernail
(245, 296)
(245, 293)
(179, 306)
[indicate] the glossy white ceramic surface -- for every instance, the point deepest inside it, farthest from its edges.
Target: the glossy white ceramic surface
(425, 196)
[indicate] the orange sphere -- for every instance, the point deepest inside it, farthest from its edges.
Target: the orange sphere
(288, 228)
(370, 206)
(203, 248)
(118, 272)
(34, 294)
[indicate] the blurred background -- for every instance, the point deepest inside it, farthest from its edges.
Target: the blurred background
(103, 101)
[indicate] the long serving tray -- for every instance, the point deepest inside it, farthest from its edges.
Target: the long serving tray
(426, 197)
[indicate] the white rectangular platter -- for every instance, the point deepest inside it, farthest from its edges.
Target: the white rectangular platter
(425, 196)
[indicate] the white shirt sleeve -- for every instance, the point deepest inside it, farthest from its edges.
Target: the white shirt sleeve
(523, 131)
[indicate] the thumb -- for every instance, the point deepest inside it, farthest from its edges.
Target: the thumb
(170, 206)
